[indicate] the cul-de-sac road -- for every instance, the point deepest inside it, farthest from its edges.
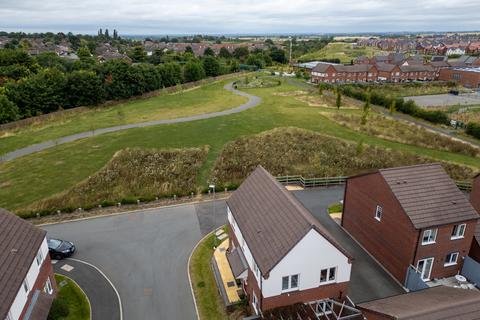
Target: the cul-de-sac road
(145, 255)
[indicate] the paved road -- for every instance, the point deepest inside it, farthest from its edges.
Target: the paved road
(368, 280)
(103, 299)
(253, 101)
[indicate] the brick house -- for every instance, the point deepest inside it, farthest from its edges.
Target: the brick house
(467, 76)
(475, 200)
(434, 303)
(278, 250)
(26, 276)
(411, 216)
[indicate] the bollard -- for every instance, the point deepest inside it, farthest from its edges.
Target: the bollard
(208, 191)
(192, 195)
(99, 205)
(156, 198)
(119, 204)
(226, 189)
(174, 197)
(58, 211)
(138, 201)
(38, 214)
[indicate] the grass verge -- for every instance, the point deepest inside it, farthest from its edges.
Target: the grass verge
(335, 208)
(209, 302)
(71, 296)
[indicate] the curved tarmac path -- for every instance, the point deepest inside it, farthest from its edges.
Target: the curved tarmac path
(253, 101)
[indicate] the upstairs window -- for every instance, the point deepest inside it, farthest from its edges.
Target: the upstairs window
(451, 259)
(39, 257)
(290, 282)
(458, 231)
(378, 213)
(429, 236)
(328, 275)
(25, 286)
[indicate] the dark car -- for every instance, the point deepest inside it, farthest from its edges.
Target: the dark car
(60, 249)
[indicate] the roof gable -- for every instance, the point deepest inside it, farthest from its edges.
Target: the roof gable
(271, 219)
(428, 195)
(19, 244)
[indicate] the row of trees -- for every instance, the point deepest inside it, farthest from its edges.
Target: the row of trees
(32, 86)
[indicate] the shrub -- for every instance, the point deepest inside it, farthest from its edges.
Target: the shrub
(473, 129)
(58, 310)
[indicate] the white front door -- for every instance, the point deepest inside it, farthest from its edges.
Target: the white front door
(424, 266)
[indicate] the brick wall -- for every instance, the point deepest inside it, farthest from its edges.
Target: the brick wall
(392, 241)
(467, 79)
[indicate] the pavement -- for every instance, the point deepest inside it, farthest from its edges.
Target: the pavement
(445, 100)
(253, 101)
(101, 295)
(368, 281)
(145, 255)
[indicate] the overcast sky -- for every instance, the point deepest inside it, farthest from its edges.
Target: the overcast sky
(239, 16)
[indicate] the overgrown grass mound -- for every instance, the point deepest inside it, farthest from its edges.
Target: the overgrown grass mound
(130, 175)
(292, 151)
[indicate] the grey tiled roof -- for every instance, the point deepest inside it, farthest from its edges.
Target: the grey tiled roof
(237, 261)
(271, 219)
(428, 195)
(19, 244)
(437, 303)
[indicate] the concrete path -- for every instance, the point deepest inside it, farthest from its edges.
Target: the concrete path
(103, 299)
(253, 101)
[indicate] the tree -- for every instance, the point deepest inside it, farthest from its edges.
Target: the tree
(193, 71)
(138, 54)
(156, 57)
(189, 49)
(106, 34)
(240, 52)
(392, 106)
(224, 53)
(84, 88)
(278, 55)
(171, 73)
(209, 52)
(338, 101)
(8, 110)
(234, 66)
(211, 66)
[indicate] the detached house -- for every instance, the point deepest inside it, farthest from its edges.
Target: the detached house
(475, 200)
(278, 250)
(411, 216)
(27, 285)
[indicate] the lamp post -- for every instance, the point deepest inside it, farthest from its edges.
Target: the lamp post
(212, 186)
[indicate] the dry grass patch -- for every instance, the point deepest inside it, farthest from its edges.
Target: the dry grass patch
(130, 175)
(398, 131)
(467, 115)
(291, 151)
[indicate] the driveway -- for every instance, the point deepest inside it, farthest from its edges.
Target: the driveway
(368, 280)
(253, 101)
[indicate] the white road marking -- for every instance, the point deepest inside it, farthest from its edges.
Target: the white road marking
(67, 267)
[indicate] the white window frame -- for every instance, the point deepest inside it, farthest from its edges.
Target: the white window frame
(327, 280)
(289, 285)
(378, 213)
(432, 236)
(48, 286)
(455, 232)
(25, 285)
(431, 268)
(39, 257)
(451, 262)
(255, 302)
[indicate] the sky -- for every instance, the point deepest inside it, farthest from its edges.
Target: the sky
(154, 17)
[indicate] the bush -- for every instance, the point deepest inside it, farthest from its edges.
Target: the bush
(473, 129)
(58, 310)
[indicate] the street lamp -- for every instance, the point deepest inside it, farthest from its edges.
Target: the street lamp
(212, 186)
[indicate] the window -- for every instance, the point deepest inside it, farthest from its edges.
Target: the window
(48, 286)
(255, 303)
(458, 231)
(323, 308)
(378, 213)
(290, 282)
(255, 269)
(39, 257)
(429, 236)
(25, 286)
(451, 259)
(328, 275)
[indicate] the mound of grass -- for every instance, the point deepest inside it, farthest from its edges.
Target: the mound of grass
(257, 82)
(70, 303)
(130, 175)
(290, 151)
(346, 52)
(386, 128)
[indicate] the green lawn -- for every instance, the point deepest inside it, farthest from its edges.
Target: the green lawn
(205, 99)
(75, 299)
(341, 50)
(335, 208)
(36, 176)
(209, 303)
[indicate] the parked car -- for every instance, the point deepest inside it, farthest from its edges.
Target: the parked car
(454, 92)
(60, 249)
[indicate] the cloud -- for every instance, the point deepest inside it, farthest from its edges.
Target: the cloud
(239, 16)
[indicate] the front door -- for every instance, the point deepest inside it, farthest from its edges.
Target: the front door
(424, 266)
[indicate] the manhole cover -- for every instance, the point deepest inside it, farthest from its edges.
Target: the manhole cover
(231, 284)
(63, 283)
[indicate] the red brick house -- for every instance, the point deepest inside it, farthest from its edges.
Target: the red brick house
(272, 241)
(434, 303)
(27, 284)
(467, 76)
(411, 216)
(475, 200)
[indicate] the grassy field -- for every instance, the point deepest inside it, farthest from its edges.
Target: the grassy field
(210, 305)
(37, 176)
(293, 151)
(341, 50)
(205, 99)
(74, 298)
(131, 174)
